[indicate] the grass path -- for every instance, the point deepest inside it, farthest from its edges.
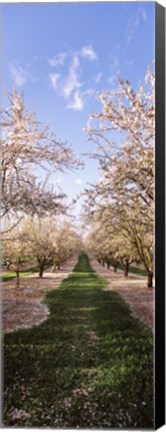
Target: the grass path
(88, 365)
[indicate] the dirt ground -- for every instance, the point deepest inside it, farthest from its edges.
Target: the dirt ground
(134, 290)
(23, 307)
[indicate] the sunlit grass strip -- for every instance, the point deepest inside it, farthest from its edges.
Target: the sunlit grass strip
(137, 270)
(134, 270)
(11, 275)
(5, 277)
(89, 365)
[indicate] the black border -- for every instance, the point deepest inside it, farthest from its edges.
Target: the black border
(160, 217)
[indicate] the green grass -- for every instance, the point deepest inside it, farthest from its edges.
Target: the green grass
(134, 270)
(5, 277)
(137, 270)
(89, 365)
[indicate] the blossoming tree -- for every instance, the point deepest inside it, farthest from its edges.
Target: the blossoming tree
(26, 146)
(127, 165)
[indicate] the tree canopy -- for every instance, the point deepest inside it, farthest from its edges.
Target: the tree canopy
(126, 182)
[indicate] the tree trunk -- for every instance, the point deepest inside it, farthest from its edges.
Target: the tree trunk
(18, 278)
(103, 263)
(59, 266)
(150, 280)
(115, 268)
(54, 268)
(41, 270)
(108, 265)
(126, 270)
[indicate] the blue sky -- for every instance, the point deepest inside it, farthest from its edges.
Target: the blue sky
(61, 55)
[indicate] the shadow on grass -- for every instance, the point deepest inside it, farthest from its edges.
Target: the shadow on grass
(90, 364)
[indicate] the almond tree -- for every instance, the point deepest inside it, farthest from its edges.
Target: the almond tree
(66, 243)
(134, 219)
(122, 223)
(25, 146)
(127, 168)
(113, 246)
(40, 240)
(39, 234)
(14, 251)
(140, 232)
(49, 242)
(131, 114)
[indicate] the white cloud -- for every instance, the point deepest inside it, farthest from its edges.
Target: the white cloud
(79, 99)
(72, 82)
(143, 12)
(78, 181)
(89, 53)
(54, 78)
(66, 85)
(18, 74)
(69, 85)
(59, 59)
(134, 22)
(77, 104)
